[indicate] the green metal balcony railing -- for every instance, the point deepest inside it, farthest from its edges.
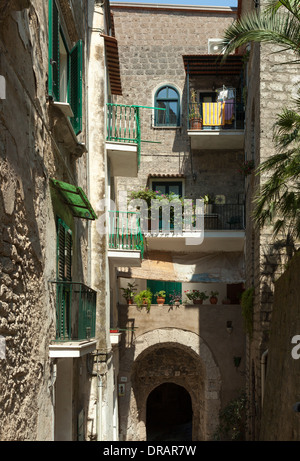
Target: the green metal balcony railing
(123, 124)
(75, 311)
(125, 231)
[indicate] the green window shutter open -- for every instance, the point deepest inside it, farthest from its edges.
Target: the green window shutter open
(64, 251)
(53, 79)
(75, 88)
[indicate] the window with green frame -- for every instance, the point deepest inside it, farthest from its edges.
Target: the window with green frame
(167, 97)
(169, 287)
(65, 68)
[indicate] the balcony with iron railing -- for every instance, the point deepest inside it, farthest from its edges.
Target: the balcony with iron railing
(125, 238)
(123, 138)
(216, 125)
(75, 319)
(222, 227)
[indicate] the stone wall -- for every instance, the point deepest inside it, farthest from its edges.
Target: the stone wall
(271, 85)
(151, 53)
(279, 420)
(205, 352)
(31, 152)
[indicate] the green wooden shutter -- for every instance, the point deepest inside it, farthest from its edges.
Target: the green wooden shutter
(53, 78)
(169, 287)
(75, 88)
(64, 274)
(64, 252)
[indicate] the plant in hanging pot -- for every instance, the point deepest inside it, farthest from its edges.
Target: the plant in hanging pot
(196, 296)
(160, 297)
(129, 292)
(144, 298)
(213, 297)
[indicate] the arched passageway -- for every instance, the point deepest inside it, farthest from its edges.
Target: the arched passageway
(169, 414)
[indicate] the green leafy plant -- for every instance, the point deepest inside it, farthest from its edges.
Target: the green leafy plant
(144, 298)
(247, 300)
(214, 294)
(175, 296)
(194, 112)
(232, 426)
(207, 199)
(161, 294)
(196, 294)
(129, 292)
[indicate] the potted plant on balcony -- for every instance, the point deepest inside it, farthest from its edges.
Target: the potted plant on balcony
(144, 298)
(196, 296)
(175, 298)
(160, 297)
(213, 297)
(194, 113)
(208, 203)
(129, 292)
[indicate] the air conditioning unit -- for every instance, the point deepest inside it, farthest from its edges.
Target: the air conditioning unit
(215, 46)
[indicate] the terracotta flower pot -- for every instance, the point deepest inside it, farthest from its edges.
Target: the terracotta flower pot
(198, 301)
(196, 124)
(160, 300)
(213, 300)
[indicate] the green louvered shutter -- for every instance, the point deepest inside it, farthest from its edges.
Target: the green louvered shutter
(53, 79)
(64, 252)
(75, 89)
(64, 273)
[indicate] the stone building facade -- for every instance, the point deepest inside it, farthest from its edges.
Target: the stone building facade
(53, 262)
(174, 351)
(271, 86)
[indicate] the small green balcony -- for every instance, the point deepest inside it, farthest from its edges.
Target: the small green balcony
(123, 141)
(75, 320)
(125, 239)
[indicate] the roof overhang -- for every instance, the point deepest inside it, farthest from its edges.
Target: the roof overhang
(211, 64)
(75, 199)
(113, 63)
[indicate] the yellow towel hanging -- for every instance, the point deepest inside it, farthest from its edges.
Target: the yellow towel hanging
(213, 113)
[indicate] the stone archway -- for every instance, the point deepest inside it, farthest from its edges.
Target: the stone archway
(163, 356)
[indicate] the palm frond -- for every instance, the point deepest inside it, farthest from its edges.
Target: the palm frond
(280, 29)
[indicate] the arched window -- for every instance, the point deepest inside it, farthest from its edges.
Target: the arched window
(167, 97)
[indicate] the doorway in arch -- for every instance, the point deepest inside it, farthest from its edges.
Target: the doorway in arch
(169, 414)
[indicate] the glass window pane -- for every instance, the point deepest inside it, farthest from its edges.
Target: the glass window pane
(160, 188)
(173, 107)
(172, 94)
(162, 93)
(175, 189)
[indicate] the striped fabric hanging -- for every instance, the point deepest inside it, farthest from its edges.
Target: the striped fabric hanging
(213, 113)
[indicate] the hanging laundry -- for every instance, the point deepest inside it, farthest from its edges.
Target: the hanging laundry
(229, 111)
(213, 113)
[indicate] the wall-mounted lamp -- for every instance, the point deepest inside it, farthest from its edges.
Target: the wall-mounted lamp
(229, 327)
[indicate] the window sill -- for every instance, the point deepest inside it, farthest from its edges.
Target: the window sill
(167, 127)
(62, 129)
(65, 108)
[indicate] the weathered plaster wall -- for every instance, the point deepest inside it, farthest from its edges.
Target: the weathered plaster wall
(30, 154)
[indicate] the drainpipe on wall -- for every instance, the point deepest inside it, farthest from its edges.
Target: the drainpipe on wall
(99, 426)
(263, 366)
